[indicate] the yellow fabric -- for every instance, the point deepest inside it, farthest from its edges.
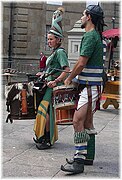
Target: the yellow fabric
(40, 121)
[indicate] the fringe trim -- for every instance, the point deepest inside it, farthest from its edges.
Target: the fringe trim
(81, 137)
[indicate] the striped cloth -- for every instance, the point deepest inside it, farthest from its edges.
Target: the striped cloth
(90, 75)
(40, 122)
(80, 140)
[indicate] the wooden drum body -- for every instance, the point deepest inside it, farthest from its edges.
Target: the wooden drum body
(64, 116)
(65, 97)
(65, 100)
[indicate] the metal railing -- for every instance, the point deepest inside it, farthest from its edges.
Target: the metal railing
(20, 69)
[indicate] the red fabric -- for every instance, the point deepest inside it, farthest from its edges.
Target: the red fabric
(111, 33)
(43, 61)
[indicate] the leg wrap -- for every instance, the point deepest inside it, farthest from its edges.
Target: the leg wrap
(81, 137)
(80, 140)
(91, 148)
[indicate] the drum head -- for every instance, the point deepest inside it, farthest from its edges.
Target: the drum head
(65, 105)
(71, 86)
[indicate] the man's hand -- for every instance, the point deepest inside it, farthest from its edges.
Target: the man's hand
(67, 82)
(39, 74)
(51, 84)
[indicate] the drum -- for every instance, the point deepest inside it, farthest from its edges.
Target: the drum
(20, 101)
(65, 97)
(64, 116)
(24, 101)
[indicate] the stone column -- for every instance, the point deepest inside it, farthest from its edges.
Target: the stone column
(74, 39)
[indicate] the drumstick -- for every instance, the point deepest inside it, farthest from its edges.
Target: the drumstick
(60, 70)
(44, 75)
(35, 102)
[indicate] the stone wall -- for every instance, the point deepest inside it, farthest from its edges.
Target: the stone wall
(28, 27)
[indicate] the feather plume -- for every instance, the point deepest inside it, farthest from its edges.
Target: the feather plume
(61, 9)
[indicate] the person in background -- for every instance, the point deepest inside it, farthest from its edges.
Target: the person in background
(88, 73)
(45, 126)
(42, 63)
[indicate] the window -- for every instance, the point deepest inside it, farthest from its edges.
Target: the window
(47, 48)
(75, 48)
(92, 3)
(53, 2)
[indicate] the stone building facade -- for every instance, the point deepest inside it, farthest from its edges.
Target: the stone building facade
(25, 27)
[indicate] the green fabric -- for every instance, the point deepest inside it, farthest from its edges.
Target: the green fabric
(57, 60)
(52, 124)
(40, 121)
(81, 137)
(91, 46)
(91, 148)
(48, 95)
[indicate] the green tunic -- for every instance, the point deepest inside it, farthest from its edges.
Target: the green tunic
(91, 46)
(57, 60)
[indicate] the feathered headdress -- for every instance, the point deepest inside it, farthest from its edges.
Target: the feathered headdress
(56, 27)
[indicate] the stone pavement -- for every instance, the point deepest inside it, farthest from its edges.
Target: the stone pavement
(20, 158)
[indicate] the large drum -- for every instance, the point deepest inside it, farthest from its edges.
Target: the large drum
(65, 97)
(21, 101)
(64, 116)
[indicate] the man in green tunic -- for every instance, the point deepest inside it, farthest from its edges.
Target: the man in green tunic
(87, 72)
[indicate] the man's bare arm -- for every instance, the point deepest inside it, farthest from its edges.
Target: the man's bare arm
(78, 67)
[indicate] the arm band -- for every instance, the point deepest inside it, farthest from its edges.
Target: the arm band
(58, 80)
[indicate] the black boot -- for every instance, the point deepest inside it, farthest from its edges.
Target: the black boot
(46, 144)
(69, 161)
(43, 146)
(76, 167)
(48, 137)
(86, 161)
(40, 140)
